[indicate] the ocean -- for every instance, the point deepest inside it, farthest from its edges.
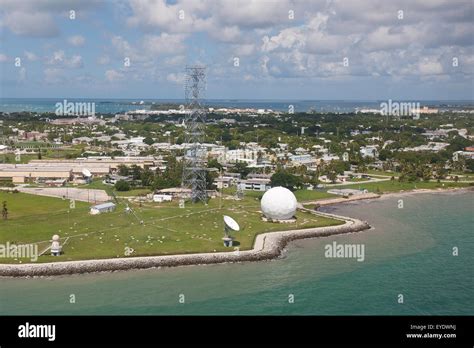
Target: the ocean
(113, 106)
(408, 252)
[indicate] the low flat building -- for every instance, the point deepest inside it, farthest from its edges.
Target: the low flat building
(254, 185)
(159, 198)
(23, 175)
(102, 208)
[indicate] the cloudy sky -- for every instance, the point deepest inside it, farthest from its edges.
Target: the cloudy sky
(254, 49)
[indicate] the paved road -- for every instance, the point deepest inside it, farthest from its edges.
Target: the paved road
(85, 195)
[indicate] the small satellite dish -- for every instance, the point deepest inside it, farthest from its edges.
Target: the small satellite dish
(86, 173)
(231, 223)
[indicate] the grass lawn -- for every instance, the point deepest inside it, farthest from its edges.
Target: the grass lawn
(166, 228)
(11, 158)
(395, 186)
(308, 195)
(99, 185)
(301, 195)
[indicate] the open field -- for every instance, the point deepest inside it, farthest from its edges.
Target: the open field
(311, 195)
(301, 195)
(10, 158)
(46, 153)
(395, 186)
(98, 184)
(166, 229)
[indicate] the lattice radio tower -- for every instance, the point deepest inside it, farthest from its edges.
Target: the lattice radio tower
(195, 161)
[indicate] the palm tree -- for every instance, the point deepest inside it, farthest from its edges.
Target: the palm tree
(5, 211)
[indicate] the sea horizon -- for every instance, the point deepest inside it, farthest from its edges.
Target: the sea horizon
(118, 105)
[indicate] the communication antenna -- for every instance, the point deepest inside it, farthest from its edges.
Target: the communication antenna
(239, 193)
(194, 160)
(86, 172)
(229, 225)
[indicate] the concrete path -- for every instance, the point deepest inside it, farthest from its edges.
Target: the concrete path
(84, 195)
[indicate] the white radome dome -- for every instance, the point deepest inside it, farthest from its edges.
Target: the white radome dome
(278, 203)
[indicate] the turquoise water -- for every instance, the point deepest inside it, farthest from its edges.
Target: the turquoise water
(112, 106)
(409, 252)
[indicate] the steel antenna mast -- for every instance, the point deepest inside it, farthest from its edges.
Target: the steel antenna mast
(195, 157)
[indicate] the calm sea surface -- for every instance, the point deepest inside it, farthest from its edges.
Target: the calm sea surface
(112, 106)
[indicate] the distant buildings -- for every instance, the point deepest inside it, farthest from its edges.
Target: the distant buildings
(369, 151)
(431, 146)
(70, 170)
(255, 182)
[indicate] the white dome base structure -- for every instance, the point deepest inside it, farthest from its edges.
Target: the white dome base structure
(278, 204)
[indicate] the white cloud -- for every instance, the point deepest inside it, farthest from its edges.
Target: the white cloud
(76, 40)
(114, 75)
(57, 58)
(430, 67)
(31, 56)
(244, 50)
(3, 58)
(53, 75)
(75, 62)
(158, 14)
(227, 34)
(31, 24)
(163, 44)
(60, 60)
(37, 18)
(103, 60)
(175, 78)
(22, 74)
(175, 60)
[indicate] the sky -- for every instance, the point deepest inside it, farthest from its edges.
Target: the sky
(253, 49)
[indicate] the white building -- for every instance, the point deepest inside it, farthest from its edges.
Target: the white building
(300, 160)
(369, 151)
(159, 198)
(102, 208)
(257, 184)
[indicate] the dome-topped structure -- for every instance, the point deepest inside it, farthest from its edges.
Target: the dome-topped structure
(278, 203)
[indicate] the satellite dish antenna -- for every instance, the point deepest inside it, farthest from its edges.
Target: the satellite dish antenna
(86, 173)
(231, 224)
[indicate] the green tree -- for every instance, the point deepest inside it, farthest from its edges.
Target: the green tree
(123, 170)
(213, 163)
(148, 140)
(210, 177)
(470, 164)
(242, 168)
(4, 210)
(122, 185)
(285, 179)
(136, 172)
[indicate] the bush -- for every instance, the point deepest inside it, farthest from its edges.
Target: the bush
(122, 185)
